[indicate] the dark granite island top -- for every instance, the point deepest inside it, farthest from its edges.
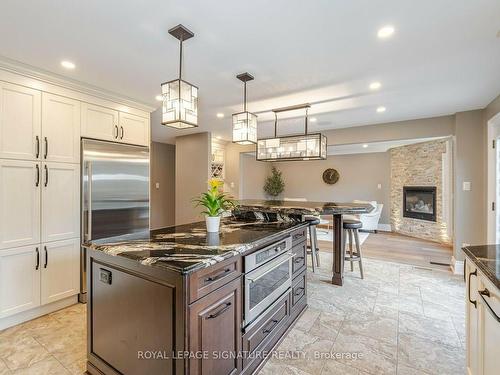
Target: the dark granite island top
(288, 207)
(187, 248)
(487, 259)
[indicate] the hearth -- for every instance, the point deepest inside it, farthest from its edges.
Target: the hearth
(419, 202)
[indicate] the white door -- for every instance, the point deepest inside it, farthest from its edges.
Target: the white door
(60, 265)
(60, 201)
(19, 279)
(20, 183)
(471, 317)
(99, 122)
(134, 129)
(493, 227)
(20, 122)
(60, 128)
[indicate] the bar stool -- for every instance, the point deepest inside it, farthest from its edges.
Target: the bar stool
(351, 228)
(313, 239)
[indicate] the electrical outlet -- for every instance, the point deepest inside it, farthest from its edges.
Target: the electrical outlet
(379, 186)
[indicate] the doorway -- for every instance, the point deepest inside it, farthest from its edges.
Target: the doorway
(493, 179)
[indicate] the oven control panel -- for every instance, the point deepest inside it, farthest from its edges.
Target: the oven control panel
(270, 253)
(264, 255)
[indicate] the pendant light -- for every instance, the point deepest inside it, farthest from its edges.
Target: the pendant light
(307, 146)
(244, 123)
(180, 98)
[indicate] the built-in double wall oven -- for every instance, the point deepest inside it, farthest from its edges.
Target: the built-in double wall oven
(268, 274)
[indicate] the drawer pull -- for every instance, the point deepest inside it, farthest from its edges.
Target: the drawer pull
(219, 276)
(486, 293)
(298, 235)
(270, 329)
(220, 312)
(299, 259)
(471, 301)
(298, 291)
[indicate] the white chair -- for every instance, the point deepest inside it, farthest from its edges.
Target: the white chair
(370, 220)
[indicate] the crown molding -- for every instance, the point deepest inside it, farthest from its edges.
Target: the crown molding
(17, 67)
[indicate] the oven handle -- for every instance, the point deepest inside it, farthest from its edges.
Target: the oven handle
(271, 266)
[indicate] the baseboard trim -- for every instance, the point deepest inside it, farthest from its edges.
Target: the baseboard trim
(24, 316)
(384, 227)
(457, 266)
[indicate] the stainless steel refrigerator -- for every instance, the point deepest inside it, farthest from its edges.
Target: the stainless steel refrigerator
(115, 194)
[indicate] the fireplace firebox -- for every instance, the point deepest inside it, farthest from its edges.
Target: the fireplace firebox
(419, 202)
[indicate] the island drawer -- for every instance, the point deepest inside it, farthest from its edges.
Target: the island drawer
(211, 278)
(298, 289)
(259, 334)
(299, 235)
(299, 260)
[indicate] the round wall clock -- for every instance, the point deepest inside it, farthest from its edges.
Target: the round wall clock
(331, 176)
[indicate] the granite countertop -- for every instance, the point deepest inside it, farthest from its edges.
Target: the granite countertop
(304, 208)
(187, 248)
(487, 259)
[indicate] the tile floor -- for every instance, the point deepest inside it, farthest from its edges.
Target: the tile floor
(402, 319)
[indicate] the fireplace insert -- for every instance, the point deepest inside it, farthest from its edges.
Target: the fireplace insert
(419, 202)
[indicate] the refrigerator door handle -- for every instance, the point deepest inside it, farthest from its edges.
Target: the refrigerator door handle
(88, 234)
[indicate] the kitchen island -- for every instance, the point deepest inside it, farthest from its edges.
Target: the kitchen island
(291, 208)
(183, 301)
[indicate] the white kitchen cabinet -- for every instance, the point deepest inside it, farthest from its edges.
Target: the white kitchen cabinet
(20, 184)
(482, 324)
(60, 201)
(20, 122)
(133, 129)
(60, 266)
(60, 129)
(99, 122)
(19, 279)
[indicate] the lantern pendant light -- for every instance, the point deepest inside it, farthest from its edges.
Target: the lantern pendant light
(244, 123)
(180, 98)
(307, 146)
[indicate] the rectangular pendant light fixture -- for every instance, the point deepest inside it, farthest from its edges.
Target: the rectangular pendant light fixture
(180, 98)
(245, 123)
(307, 146)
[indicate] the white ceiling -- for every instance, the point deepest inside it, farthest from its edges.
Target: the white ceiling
(444, 56)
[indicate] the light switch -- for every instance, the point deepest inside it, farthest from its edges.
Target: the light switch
(379, 186)
(157, 185)
(231, 185)
(466, 186)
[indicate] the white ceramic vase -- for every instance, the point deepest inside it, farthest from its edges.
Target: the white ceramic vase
(213, 223)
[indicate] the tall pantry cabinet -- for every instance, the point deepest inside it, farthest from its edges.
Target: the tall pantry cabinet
(39, 198)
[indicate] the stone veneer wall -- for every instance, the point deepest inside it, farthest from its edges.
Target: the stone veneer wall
(418, 164)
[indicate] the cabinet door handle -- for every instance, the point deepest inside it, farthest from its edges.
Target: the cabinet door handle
(46, 175)
(220, 312)
(46, 257)
(116, 129)
(471, 301)
(298, 291)
(219, 276)
(46, 147)
(37, 146)
(37, 176)
(37, 259)
(121, 128)
(270, 329)
(486, 293)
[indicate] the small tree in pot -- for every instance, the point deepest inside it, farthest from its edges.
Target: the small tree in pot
(274, 184)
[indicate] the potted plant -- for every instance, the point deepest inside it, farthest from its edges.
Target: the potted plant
(274, 184)
(214, 202)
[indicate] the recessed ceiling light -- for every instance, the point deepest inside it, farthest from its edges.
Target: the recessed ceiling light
(381, 109)
(67, 64)
(159, 98)
(220, 115)
(365, 145)
(385, 31)
(375, 85)
(313, 119)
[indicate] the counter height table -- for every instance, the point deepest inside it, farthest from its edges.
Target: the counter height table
(295, 208)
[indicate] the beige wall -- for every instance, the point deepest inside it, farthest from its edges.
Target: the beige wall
(359, 176)
(192, 156)
(162, 172)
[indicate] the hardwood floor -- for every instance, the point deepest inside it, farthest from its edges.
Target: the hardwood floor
(398, 248)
